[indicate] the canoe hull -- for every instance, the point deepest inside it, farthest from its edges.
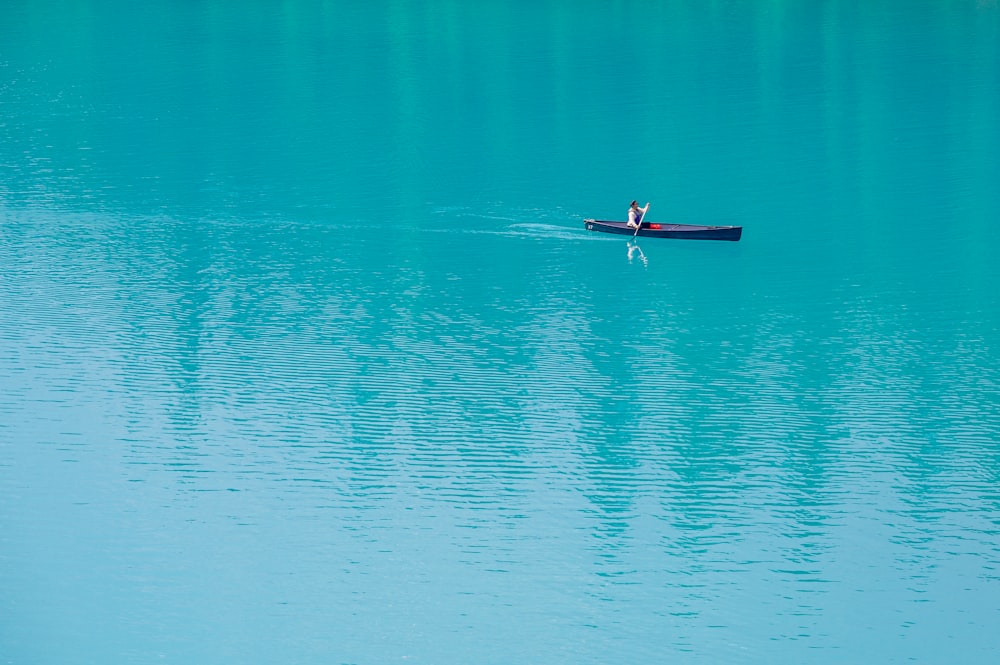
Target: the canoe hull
(654, 230)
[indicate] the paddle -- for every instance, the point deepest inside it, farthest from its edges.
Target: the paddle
(638, 224)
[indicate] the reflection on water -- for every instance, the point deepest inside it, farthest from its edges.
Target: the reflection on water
(380, 421)
(635, 252)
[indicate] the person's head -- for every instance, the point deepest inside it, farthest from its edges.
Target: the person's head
(635, 204)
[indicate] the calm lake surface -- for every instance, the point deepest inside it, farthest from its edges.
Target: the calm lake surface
(306, 356)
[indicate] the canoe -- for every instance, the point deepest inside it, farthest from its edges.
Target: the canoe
(655, 230)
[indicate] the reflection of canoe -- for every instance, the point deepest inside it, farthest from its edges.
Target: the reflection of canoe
(654, 230)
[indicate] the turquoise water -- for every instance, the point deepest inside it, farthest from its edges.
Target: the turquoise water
(306, 357)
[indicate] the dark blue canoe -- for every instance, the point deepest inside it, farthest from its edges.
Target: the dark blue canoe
(655, 230)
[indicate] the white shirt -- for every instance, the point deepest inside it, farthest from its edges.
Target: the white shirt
(635, 215)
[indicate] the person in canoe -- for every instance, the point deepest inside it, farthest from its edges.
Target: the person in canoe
(635, 214)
